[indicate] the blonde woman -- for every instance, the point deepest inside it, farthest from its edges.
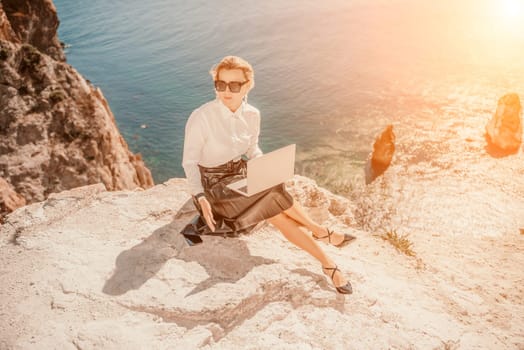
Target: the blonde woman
(217, 135)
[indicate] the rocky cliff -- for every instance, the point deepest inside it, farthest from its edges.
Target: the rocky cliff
(57, 131)
(31, 22)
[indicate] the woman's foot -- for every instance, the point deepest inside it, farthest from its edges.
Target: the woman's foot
(341, 284)
(337, 239)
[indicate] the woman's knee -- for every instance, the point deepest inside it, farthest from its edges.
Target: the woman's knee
(280, 218)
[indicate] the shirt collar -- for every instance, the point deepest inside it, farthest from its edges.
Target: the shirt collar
(227, 112)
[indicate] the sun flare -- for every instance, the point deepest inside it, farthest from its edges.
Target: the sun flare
(508, 19)
(511, 9)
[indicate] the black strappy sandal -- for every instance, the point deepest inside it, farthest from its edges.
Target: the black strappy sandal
(345, 289)
(347, 238)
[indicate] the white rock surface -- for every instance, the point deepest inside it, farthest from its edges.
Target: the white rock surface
(91, 269)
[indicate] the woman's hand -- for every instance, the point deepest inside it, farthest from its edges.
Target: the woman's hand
(207, 212)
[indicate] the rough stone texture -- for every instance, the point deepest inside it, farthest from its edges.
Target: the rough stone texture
(56, 130)
(34, 22)
(9, 199)
(504, 130)
(6, 32)
(91, 269)
(380, 158)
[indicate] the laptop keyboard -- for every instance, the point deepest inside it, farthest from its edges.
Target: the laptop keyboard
(243, 189)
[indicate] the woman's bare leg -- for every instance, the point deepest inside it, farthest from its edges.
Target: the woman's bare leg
(295, 235)
(297, 213)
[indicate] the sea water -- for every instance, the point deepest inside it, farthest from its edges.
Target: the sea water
(329, 75)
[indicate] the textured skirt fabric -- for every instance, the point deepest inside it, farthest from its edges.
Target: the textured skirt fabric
(241, 214)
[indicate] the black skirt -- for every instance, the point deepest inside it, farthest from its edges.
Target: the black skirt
(234, 211)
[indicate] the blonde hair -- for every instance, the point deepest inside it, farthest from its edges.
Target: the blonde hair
(235, 62)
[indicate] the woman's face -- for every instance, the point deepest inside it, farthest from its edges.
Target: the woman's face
(232, 100)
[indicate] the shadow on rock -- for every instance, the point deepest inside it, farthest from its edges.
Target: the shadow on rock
(225, 259)
(138, 264)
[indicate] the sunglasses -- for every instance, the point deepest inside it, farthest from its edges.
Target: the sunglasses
(234, 86)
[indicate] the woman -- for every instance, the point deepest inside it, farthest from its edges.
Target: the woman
(217, 135)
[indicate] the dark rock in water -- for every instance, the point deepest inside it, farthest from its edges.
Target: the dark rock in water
(504, 130)
(380, 158)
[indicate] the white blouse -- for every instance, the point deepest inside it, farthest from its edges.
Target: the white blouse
(214, 135)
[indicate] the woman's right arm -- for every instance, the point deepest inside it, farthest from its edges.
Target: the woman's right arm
(194, 140)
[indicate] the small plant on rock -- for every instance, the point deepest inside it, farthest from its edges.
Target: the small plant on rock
(57, 96)
(30, 58)
(400, 242)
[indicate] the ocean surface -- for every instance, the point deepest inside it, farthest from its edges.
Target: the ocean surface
(329, 75)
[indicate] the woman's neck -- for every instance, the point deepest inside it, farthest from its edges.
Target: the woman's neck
(235, 108)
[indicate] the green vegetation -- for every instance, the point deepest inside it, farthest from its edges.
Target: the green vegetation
(57, 96)
(30, 57)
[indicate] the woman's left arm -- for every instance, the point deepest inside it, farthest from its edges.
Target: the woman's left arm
(254, 151)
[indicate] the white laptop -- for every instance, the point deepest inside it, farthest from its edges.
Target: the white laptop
(266, 171)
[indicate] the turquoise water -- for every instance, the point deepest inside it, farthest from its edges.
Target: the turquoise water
(329, 75)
